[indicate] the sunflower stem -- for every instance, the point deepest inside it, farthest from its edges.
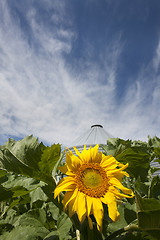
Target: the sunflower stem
(131, 227)
(78, 234)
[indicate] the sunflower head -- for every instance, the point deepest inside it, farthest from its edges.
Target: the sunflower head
(92, 178)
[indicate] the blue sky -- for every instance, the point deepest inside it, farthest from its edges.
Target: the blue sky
(67, 64)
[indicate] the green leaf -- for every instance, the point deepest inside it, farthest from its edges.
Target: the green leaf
(11, 217)
(155, 145)
(5, 194)
(53, 209)
(148, 210)
(149, 220)
(141, 187)
(29, 158)
(14, 180)
(116, 145)
(49, 158)
(25, 233)
(54, 235)
(157, 154)
(146, 204)
(57, 164)
(154, 190)
(2, 173)
(138, 159)
(63, 227)
(136, 153)
(14, 192)
(38, 195)
(36, 215)
(5, 227)
(154, 142)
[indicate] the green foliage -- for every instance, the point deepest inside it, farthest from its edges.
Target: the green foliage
(28, 210)
(29, 158)
(136, 153)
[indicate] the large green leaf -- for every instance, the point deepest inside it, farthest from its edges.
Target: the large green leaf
(25, 233)
(136, 153)
(20, 190)
(63, 226)
(2, 173)
(38, 195)
(33, 221)
(155, 145)
(154, 142)
(53, 210)
(14, 180)
(37, 218)
(154, 190)
(115, 146)
(140, 186)
(146, 204)
(5, 194)
(5, 227)
(148, 210)
(49, 158)
(29, 158)
(138, 159)
(16, 187)
(10, 217)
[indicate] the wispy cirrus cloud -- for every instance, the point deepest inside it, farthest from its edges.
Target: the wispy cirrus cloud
(44, 95)
(139, 111)
(40, 95)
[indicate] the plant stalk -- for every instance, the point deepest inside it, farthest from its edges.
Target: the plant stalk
(131, 227)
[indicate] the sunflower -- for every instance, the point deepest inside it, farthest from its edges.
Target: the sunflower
(92, 179)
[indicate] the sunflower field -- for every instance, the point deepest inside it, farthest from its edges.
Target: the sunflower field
(114, 194)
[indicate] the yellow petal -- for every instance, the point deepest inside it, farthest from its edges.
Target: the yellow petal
(89, 207)
(108, 162)
(113, 211)
(68, 197)
(65, 180)
(89, 204)
(116, 171)
(69, 162)
(75, 203)
(116, 183)
(72, 161)
(86, 155)
(119, 175)
(118, 194)
(63, 169)
(76, 162)
(108, 198)
(81, 206)
(71, 212)
(94, 154)
(77, 152)
(72, 205)
(67, 184)
(97, 209)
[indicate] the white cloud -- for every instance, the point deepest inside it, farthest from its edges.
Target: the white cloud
(40, 95)
(139, 112)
